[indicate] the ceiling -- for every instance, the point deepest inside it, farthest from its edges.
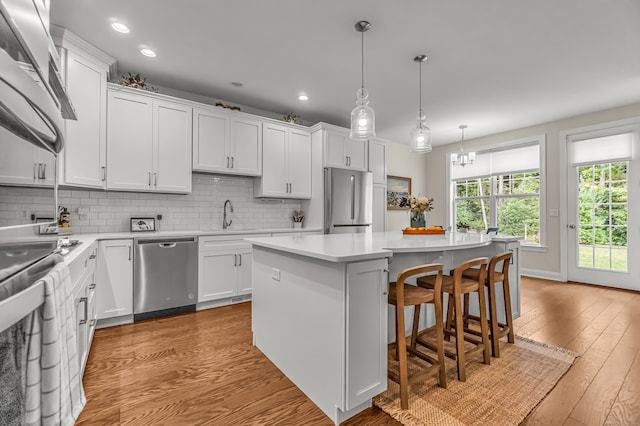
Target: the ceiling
(495, 65)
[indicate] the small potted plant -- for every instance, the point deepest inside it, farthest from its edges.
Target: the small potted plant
(298, 217)
(462, 227)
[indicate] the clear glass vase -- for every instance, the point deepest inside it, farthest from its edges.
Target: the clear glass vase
(418, 220)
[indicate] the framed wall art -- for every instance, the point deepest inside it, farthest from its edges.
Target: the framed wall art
(398, 192)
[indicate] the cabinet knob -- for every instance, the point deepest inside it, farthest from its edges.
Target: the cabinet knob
(384, 293)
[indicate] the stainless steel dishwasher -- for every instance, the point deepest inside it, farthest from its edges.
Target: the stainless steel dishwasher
(165, 277)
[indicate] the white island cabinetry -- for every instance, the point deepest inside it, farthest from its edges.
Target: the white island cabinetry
(320, 311)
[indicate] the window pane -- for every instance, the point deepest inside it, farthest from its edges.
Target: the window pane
(585, 174)
(533, 183)
(519, 216)
(619, 214)
(586, 256)
(601, 214)
(619, 171)
(619, 258)
(472, 188)
(619, 236)
(601, 235)
(586, 235)
(470, 213)
(619, 192)
(486, 186)
(461, 189)
(602, 257)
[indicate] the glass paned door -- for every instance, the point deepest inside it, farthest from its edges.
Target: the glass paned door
(602, 218)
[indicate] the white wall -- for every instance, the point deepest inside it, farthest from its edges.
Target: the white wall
(400, 162)
(432, 175)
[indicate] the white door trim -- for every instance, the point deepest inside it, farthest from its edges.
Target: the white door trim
(564, 179)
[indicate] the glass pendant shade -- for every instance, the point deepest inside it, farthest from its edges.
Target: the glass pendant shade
(363, 118)
(420, 137)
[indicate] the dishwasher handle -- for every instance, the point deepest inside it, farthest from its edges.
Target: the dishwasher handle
(166, 242)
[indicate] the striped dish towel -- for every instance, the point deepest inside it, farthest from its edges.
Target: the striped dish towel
(54, 394)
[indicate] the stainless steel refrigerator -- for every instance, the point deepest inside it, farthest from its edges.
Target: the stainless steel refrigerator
(348, 201)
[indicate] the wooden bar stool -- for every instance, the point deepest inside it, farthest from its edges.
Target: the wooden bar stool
(401, 295)
(455, 286)
(497, 329)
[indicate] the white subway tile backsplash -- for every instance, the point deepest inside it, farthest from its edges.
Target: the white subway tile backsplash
(110, 211)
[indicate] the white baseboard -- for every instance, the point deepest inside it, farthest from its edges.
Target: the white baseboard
(537, 273)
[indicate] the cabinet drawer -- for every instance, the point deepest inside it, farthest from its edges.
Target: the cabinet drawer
(83, 263)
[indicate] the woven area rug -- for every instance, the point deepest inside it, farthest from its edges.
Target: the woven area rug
(502, 393)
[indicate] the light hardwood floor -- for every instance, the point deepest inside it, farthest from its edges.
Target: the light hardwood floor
(202, 369)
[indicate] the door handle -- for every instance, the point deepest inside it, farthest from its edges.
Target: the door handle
(155, 179)
(149, 178)
(227, 162)
(346, 160)
(44, 171)
(129, 252)
(235, 260)
(92, 286)
(353, 197)
(571, 226)
(40, 175)
(86, 309)
(35, 173)
(93, 256)
(167, 245)
(240, 264)
(104, 173)
(290, 188)
(232, 162)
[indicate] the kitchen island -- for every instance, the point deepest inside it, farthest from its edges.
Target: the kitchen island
(320, 309)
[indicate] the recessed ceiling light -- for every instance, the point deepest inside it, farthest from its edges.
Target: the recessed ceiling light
(148, 52)
(237, 84)
(119, 27)
(303, 97)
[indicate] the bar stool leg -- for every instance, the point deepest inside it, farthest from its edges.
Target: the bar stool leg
(466, 310)
(440, 341)
(493, 320)
(507, 306)
(414, 330)
(460, 358)
(483, 324)
(450, 312)
(401, 348)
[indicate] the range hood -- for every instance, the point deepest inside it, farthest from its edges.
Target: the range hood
(30, 106)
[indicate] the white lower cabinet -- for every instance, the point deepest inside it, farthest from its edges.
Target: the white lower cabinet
(115, 279)
(224, 269)
(83, 276)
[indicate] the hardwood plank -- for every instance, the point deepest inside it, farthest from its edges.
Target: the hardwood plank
(595, 404)
(626, 408)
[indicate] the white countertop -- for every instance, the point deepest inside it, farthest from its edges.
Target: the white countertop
(376, 245)
(85, 240)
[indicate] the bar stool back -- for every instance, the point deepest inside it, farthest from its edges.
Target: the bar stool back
(496, 275)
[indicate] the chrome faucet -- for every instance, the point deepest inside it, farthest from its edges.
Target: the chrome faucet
(226, 224)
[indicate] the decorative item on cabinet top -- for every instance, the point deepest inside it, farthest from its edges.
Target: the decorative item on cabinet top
(136, 82)
(228, 106)
(292, 118)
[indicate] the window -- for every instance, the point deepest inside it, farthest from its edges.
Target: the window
(503, 188)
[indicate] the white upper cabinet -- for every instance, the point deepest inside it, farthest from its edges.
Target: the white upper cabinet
(84, 158)
(286, 169)
(226, 143)
(172, 129)
(148, 143)
(342, 152)
(378, 161)
(129, 141)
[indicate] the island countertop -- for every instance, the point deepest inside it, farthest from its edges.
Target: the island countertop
(375, 245)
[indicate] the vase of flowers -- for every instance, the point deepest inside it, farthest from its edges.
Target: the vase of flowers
(298, 217)
(418, 206)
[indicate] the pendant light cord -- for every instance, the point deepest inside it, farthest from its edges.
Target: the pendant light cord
(420, 94)
(362, 58)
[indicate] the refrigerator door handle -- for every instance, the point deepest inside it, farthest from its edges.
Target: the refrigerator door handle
(353, 197)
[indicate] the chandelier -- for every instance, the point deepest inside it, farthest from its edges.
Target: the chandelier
(462, 158)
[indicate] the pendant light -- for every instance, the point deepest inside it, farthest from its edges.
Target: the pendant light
(363, 119)
(463, 158)
(420, 134)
